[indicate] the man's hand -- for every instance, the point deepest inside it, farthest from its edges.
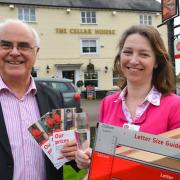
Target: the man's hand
(83, 158)
(69, 150)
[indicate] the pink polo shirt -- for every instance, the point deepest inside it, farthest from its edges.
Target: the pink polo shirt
(155, 119)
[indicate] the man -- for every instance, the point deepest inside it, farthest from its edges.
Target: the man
(22, 104)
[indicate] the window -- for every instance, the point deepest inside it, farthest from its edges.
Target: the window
(115, 79)
(88, 17)
(27, 14)
(91, 78)
(89, 46)
(146, 19)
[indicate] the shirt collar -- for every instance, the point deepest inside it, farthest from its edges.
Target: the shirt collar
(153, 96)
(32, 87)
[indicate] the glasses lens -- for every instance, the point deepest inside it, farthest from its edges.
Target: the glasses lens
(6, 45)
(23, 46)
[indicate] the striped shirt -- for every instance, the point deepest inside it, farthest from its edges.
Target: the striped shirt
(19, 114)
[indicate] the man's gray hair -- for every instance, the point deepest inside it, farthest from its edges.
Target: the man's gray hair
(9, 21)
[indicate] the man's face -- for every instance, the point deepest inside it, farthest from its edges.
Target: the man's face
(17, 51)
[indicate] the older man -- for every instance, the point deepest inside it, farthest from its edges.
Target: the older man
(22, 103)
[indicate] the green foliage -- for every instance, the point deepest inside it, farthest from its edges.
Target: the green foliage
(79, 83)
(70, 173)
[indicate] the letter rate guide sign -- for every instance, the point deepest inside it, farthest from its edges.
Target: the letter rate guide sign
(123, 154)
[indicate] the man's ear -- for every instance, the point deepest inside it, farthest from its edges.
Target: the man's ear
(37, 51)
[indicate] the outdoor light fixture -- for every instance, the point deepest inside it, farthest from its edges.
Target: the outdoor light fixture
(106, 69)
(114, 13)
(68, 10)
(11, 6)
(47, 68)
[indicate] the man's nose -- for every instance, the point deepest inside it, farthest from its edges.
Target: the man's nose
(15, 51)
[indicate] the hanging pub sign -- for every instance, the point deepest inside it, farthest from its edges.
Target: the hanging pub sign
(169, 9)
(90, 68)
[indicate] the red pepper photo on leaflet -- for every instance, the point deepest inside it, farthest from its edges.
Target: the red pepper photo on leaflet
(50, 122)
(57, 118)
(36, 133)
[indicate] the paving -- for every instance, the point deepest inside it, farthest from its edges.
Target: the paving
(92, 107)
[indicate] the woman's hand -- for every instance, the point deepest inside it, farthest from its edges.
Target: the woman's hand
(69, 150)
(83, 158)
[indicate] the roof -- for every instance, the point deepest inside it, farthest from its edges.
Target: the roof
(135, 5)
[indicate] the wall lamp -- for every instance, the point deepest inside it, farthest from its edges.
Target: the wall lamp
(68, 10)
(114, 13)
(47, 68)
(105, 69)
(11, 6)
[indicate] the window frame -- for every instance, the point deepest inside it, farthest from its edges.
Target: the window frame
(95, 79)
(115, 79)
(89, 52)
(27, 14)
(89, 17)
(145, 19)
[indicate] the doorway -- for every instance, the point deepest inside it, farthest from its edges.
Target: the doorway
(68, 75)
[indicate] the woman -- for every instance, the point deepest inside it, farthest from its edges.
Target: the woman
(147, 102)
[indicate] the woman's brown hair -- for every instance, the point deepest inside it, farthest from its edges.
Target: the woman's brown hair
(163, 75)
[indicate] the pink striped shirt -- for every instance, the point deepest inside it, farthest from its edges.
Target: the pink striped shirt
(19, 114)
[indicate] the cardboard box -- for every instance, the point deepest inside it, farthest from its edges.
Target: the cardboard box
(116, 155)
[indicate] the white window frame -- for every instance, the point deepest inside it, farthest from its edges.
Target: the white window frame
(88, 17)
(27, 14)
(145, 19)
(92, 79)
(82, 42)
(115, 78)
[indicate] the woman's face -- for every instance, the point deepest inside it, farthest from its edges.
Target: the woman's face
(137, 60)
(170, 4)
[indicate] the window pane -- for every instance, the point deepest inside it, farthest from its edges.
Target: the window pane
(93, 49)
(83, 20)
(145, 19)
(88, 20)
(83, 14)
(26, 14)
(89, 46)
(32, 14)
(88, 17)
(88, 14)
(94, 14)
(85, 43)
(20, 14)
(92, 43)
(85, 49)
(91, 79)
(93, 20)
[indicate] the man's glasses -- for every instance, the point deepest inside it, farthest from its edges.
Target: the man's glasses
(21, 46)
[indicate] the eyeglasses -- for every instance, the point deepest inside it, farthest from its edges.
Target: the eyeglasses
(21, 46)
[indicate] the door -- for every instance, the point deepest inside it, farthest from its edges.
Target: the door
(68, 75)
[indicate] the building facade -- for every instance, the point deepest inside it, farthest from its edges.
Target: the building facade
(79, 38)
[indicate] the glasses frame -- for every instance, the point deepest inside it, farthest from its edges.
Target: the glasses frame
(20, 46)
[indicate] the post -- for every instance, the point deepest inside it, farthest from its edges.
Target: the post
(170, 27)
